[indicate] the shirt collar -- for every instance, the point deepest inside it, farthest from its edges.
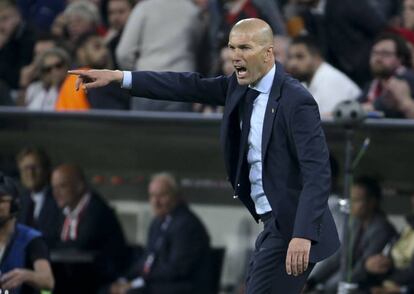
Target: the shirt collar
(264, 85)
(81, 205)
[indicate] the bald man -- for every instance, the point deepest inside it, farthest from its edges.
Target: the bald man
(274, 148)
(89, 226)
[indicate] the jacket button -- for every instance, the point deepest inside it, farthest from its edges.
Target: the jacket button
(238, 185)
(235, 196)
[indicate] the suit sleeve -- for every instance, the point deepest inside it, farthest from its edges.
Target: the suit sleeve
(313, 156)
(183, 87)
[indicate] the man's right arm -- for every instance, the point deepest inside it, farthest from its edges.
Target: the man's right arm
(171, 86)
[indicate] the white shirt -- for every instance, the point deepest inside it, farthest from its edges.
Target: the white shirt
(70, 226)
(38, 200)
(329, 86)
(254, 153)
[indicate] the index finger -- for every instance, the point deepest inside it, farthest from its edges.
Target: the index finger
(77, 72)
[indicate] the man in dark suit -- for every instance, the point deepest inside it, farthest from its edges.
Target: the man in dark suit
(89, 227)
(278, 163)
(176, 248)
(38, 207)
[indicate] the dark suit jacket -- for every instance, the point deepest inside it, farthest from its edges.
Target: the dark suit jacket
(296, 171)
(100, 233)
(49, 216)
(179, 254)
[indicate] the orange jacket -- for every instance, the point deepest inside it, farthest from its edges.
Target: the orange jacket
(69, 99)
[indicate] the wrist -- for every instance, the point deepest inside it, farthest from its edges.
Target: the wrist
(118, 76)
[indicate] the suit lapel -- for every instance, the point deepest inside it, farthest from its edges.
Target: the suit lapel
(271, 108)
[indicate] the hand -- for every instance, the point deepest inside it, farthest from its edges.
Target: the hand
(398, 92)
(378, 264)
(14, 278)
(120, 287)
(95, 78)
(297, 258)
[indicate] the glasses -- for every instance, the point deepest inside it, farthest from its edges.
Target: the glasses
(49, 68)
(383, 53)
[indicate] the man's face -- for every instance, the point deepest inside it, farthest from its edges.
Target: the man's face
(360, 205)
(96, 53)
(42, 46)
(32, 174)
(118, 12)
(248, 57)
(301, 64)
(161, 199)
(408, 14)
(9, 20)
(53, 70)
(66, 189)
(384, 60)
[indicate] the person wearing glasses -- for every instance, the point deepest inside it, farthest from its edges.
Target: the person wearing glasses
(51, 66)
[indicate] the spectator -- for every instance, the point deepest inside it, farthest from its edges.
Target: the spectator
(177, 244)
(27, 73)
(350, 29)
(91, 52)
(52, 67)
(372, 232)
(118, 13)
(40, 13)
(38, 207)
(146, 43)
(89, 226)
(79, 18)
(390, 57)
(398, 265)
(281, 45)
(25, 267)
(327, 84)
(16, 44)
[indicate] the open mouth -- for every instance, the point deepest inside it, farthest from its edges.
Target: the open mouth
(241, 71)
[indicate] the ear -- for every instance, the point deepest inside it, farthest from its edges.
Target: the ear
(268, 54)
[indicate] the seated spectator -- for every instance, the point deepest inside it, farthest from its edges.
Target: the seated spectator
(24, 266)
(327, 84)
(398, 265)
(16, 43)
(38, 208)
(89, 225)
(81, 17)
(118, 13)
(390, 58)
(28, 72)
(91, 52)
(52, 67)
(371, 231)
(177, 243)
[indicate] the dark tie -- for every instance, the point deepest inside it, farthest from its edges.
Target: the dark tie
(249, 98)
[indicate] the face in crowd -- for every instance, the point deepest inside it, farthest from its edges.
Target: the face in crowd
(163, 196)
(118, 13)
(33, 174)
(53, 70)
(301, 63)
(68, 185)
(384, 60)
(251, 46)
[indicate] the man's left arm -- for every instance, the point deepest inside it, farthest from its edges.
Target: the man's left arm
(313, 156)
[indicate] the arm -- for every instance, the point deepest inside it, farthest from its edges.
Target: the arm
(40, 277)
(313, 156)
(184, 87)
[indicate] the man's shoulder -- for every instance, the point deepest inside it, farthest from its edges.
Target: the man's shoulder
(293, 93)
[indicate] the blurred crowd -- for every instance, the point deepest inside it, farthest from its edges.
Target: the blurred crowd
(339, 50)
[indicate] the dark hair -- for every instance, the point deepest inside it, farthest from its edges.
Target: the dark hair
(84, 38)
(371, 186)
(309, 42)
(402, 50)
(39, 153)
(8, 187)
